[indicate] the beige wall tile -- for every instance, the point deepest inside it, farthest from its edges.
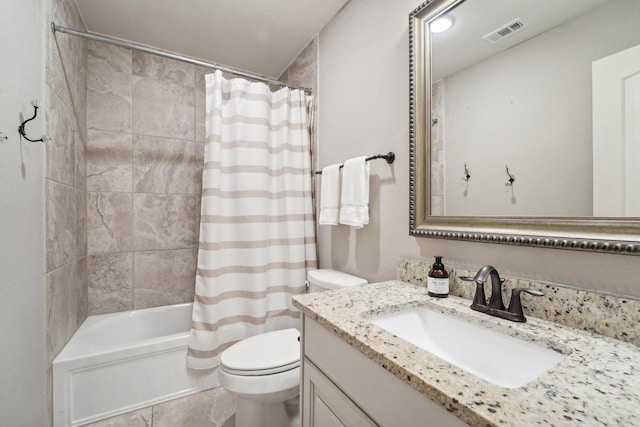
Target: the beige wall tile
(109, 88)
(164, 221)
(159, 68)
(109, 161)
(109, 69)
(164, 277)
(109, 221)
(201, 107)
(81, 159)
(62, 225)
(110, 281)
(303, 70)
(108, 112)
(61, 147)
(163, 108)
(162, 165)
(65, 298)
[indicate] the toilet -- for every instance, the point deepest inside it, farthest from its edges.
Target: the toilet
(263, 371)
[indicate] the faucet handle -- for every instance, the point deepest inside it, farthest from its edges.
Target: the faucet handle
(515, 305)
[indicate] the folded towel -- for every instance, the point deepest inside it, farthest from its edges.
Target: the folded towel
(354, 200)
(330, 195)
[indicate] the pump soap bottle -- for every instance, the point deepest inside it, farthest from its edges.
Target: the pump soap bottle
(438, 280)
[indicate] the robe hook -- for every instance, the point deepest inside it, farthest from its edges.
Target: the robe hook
(21, 130)
(511, 178)
(466, 176)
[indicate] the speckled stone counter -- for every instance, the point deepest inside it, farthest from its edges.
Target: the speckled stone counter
(598, 383)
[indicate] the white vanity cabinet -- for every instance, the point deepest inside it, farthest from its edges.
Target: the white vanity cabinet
(343, 387)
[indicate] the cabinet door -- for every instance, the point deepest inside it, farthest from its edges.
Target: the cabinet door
(325, 405)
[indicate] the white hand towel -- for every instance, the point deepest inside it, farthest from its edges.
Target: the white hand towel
(354, 201)
(330, 195)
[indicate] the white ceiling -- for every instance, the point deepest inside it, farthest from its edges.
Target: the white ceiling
(462, 45)
(261, 36)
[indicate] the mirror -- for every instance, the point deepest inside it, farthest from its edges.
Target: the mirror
(525, 123)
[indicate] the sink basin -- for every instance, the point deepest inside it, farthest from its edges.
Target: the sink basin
(491, 355)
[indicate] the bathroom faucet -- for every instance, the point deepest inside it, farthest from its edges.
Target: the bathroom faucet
(496, 306)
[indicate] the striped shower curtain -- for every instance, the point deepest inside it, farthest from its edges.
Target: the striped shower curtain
(257, 237)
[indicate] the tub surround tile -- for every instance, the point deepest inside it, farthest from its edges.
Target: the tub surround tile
(162, 108)
(201, 103)
(61, 148)
(109, 93)
(169, 70)
(303, 70)
(66, 302)
(162, 165)
(141, 174)
(110, 222)
(110, 69)
(109, 161)
(164, 221)
(574, 308)
(110, 279)
(81, 159)
(163, 97)
(108, 112)
(596, 384)
(64, 243)
(82, 234)
(164, 277)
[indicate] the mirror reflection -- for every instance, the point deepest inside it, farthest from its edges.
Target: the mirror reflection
(535, 109)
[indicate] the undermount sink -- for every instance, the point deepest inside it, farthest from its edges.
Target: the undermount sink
(491, 355)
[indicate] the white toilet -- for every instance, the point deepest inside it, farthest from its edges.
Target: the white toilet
(263, 371)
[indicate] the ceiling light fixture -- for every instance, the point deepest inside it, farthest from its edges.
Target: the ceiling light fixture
(441, 24)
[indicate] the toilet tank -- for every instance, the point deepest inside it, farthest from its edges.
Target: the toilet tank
(324, 279)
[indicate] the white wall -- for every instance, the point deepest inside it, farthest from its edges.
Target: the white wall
(22, 258)
(363, 110)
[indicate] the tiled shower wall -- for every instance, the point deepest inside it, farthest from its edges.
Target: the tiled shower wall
(65, 109)
(145, 135)
(145, 147)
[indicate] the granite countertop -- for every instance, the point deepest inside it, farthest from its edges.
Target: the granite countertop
(598, 383)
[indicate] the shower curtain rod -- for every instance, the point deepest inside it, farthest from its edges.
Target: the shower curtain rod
(166, 54)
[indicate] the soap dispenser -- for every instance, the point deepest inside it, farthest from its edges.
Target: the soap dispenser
(438, 280)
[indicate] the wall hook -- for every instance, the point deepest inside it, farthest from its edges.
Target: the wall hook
(3, 137)
(434, 121)
(511, 178)
(466, 176)
(21, 130)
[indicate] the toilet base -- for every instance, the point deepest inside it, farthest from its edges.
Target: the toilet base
(253, 413)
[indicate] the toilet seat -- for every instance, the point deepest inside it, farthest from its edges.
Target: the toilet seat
(264, 354)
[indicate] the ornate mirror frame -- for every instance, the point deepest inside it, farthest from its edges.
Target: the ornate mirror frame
(606, 235)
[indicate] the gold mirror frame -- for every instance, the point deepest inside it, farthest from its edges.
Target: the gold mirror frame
(607, 235)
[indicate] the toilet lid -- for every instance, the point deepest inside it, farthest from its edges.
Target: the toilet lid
(263, 354)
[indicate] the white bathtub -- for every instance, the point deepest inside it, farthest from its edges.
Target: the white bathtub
(119, 362)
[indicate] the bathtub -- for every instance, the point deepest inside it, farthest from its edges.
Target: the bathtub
(119, 362)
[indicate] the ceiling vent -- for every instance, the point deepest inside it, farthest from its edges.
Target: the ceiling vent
(504, 31)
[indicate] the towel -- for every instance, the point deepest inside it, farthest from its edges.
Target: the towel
(354, 200)
(330, 195)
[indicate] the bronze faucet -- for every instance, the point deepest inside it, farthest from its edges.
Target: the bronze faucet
(496, 306)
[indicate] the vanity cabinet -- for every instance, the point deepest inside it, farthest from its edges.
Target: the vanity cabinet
(343, 387)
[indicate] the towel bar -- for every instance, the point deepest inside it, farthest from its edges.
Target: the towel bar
(390, 157)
